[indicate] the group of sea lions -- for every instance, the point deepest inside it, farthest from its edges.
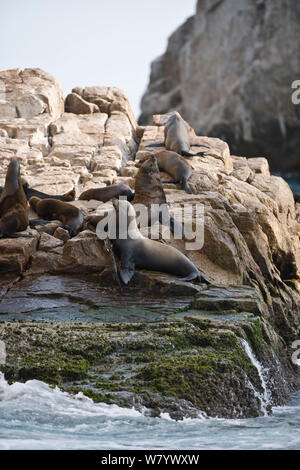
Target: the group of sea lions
(14, 197)
(134, 251)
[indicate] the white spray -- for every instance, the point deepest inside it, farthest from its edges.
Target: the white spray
(265, 396)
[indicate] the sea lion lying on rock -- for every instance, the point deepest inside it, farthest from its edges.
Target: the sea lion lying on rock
(30, 192)
(53, 209)
(107, 193)
(13, 203)
(136, 251)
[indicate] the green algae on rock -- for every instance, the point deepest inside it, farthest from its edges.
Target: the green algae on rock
(179, 367)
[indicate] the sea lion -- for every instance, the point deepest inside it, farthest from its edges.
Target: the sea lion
(107, 193)
(149, 191)
(177, 137)
(53, 209)
(30, 192)
(176, 166)
(13, 202)
(136, 251)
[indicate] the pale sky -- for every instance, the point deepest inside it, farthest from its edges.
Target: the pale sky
(90, 42)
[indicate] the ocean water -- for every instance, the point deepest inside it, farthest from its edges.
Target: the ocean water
(34, 416)
(294, 182)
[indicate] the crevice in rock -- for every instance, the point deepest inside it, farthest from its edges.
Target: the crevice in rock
(10, 285)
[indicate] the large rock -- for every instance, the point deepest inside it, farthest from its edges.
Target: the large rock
(84, 253)
(59, 150)
(15, 253)
(29, 93)
(229, 70)
(120, 129)
(250, 229)
(250, 252)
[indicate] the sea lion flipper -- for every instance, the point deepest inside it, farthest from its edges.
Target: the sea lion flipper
(35, 222)
(69, 196)
(203, 279)
(186, 187)
(30, 192)
(21, 235)
(156, 144)
(171, 181)
(184, 153)
(196, 275)
(199, 145)
(126, 272)
(176, 227)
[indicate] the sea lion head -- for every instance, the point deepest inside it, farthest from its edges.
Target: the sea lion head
(174, 117)
(12, 177)
(125, 219)
(150, 165)
(33, 202)
(126, 191)
(143, 159)
(14, 166)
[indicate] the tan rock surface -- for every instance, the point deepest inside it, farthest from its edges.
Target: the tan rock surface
(251, 228)
(29, 93)
(229, 71)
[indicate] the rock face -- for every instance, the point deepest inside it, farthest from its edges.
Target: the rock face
(183, 335)
(58, 149)
(28, 93)
(229, 71)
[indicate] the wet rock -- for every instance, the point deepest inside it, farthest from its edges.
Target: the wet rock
(154, 283)
(188, 368)
(250, 250)
(237, 298)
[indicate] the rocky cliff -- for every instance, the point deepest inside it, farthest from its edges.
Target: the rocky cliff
(229, 70)
(159, 343)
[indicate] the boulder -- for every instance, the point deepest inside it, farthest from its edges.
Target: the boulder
(15, 253)
(76, 104)
(84, 253)
(29, 93)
